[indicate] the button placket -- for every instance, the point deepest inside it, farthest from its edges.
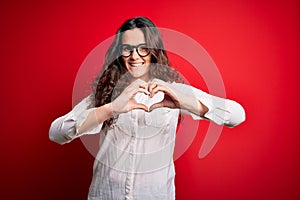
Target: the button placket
(131, 168)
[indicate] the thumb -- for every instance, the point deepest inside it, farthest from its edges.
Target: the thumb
(156, 105)
(140, 106)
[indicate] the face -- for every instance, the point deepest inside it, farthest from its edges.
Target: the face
(136, 65)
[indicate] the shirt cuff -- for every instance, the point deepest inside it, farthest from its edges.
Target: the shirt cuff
(75, 120)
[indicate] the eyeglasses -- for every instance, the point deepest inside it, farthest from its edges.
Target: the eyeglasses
(126, 50)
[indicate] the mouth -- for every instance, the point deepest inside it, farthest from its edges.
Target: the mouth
(139, 64)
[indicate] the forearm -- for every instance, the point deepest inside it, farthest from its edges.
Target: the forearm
(205, 106)
(81, 120)
(222, 111)
(192, 104)
(95, 118)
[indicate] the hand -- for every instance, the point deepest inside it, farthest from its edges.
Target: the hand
(171, 98)
(125, 101)
(175, 99)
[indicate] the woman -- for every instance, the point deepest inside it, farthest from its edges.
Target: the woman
(135, 107)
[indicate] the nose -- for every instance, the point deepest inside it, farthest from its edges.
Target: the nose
(134, 54)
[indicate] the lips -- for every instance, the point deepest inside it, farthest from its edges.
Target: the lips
(136, 64)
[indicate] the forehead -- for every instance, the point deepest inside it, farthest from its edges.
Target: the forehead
(133, 37)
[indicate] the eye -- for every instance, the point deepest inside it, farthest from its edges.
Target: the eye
(143, 48)
(126, 48)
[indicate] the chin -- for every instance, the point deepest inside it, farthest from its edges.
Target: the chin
(138, 74)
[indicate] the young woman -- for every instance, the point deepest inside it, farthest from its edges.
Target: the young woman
(135, 107)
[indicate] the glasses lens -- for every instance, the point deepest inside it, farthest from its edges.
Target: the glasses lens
(143, 50)
(125, 50)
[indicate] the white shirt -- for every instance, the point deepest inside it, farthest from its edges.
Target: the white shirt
(135, 159)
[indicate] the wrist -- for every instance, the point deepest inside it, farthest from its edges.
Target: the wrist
(202, 109)
(103, 113)
(109, 109)
(194, 105)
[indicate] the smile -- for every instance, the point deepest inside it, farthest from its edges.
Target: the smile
(136, 64)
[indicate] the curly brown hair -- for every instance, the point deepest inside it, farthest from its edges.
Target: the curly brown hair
(113, 79)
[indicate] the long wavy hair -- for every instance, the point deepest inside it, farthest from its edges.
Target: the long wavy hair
(113, 78)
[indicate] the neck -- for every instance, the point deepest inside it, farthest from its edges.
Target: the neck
(144, 78)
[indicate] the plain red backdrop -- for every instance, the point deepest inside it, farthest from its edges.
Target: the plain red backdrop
(255, 45)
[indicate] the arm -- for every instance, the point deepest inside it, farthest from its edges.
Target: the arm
(197, 103)
(80, 121)
(83, 120)
(219, 110)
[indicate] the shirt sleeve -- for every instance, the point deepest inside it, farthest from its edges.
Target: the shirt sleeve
(220, 111)
(65, 128)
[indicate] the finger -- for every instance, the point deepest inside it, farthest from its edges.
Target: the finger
(136, 83)
(154, 83)
(133, 89)
(141, 90)
(145, 86)
(165, 89)
(151, 86)
(157, 81)
(139, 106)
(156, 105)
(158, 89)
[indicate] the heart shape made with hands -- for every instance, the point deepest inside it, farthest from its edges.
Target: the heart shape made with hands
(147, 100)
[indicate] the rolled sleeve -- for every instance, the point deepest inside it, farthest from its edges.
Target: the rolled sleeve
(65, 129)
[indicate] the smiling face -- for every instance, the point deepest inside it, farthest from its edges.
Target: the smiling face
(136, 65)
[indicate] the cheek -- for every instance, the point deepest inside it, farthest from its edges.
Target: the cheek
(125, 61)
(147, 60)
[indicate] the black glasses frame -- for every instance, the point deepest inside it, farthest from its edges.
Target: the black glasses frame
(131, 47)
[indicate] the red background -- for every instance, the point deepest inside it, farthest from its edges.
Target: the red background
(254, 44)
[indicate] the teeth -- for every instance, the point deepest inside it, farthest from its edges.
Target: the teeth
(137, 64)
